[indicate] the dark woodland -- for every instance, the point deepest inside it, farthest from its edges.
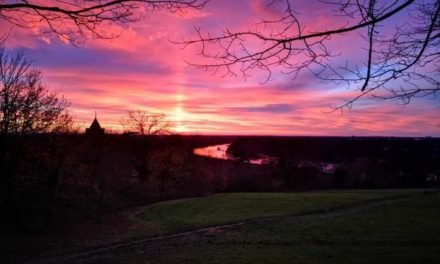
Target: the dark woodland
(51, 180)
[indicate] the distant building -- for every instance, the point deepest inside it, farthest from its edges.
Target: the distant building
(95, 128)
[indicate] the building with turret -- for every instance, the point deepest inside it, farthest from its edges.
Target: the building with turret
(95, 128)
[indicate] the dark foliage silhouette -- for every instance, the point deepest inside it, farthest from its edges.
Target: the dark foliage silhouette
(26, 105)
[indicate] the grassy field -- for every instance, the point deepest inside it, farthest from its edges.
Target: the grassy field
(278, 228)
(187, 214)
(406, 231)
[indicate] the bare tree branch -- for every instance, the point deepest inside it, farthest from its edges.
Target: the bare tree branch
(77, 20)
(403, 63)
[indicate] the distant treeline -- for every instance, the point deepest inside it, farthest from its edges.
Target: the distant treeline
(52, 180)
(355, 162)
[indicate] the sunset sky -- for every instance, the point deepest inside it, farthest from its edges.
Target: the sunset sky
(143, 70)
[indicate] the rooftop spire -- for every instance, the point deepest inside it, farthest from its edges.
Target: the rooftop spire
(95, 128)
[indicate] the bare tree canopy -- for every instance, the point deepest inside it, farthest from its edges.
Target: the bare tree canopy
(145, 123)
(76, 20)
(26, 105)
(401, 55)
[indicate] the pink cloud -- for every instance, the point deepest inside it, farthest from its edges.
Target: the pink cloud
(143, 70)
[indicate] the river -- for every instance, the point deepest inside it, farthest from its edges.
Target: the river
(221, 152)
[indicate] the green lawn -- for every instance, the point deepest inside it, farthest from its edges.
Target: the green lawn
(406, 231)
(186, 214)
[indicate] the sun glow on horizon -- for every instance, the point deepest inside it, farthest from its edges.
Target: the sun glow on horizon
(179, 114)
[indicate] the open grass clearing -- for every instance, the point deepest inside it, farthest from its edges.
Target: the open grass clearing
(186, 214)
(405, 231)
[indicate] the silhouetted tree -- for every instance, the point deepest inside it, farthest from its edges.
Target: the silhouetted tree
(145, 123)
(26, 105)
(401, 59)
(76, 20)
